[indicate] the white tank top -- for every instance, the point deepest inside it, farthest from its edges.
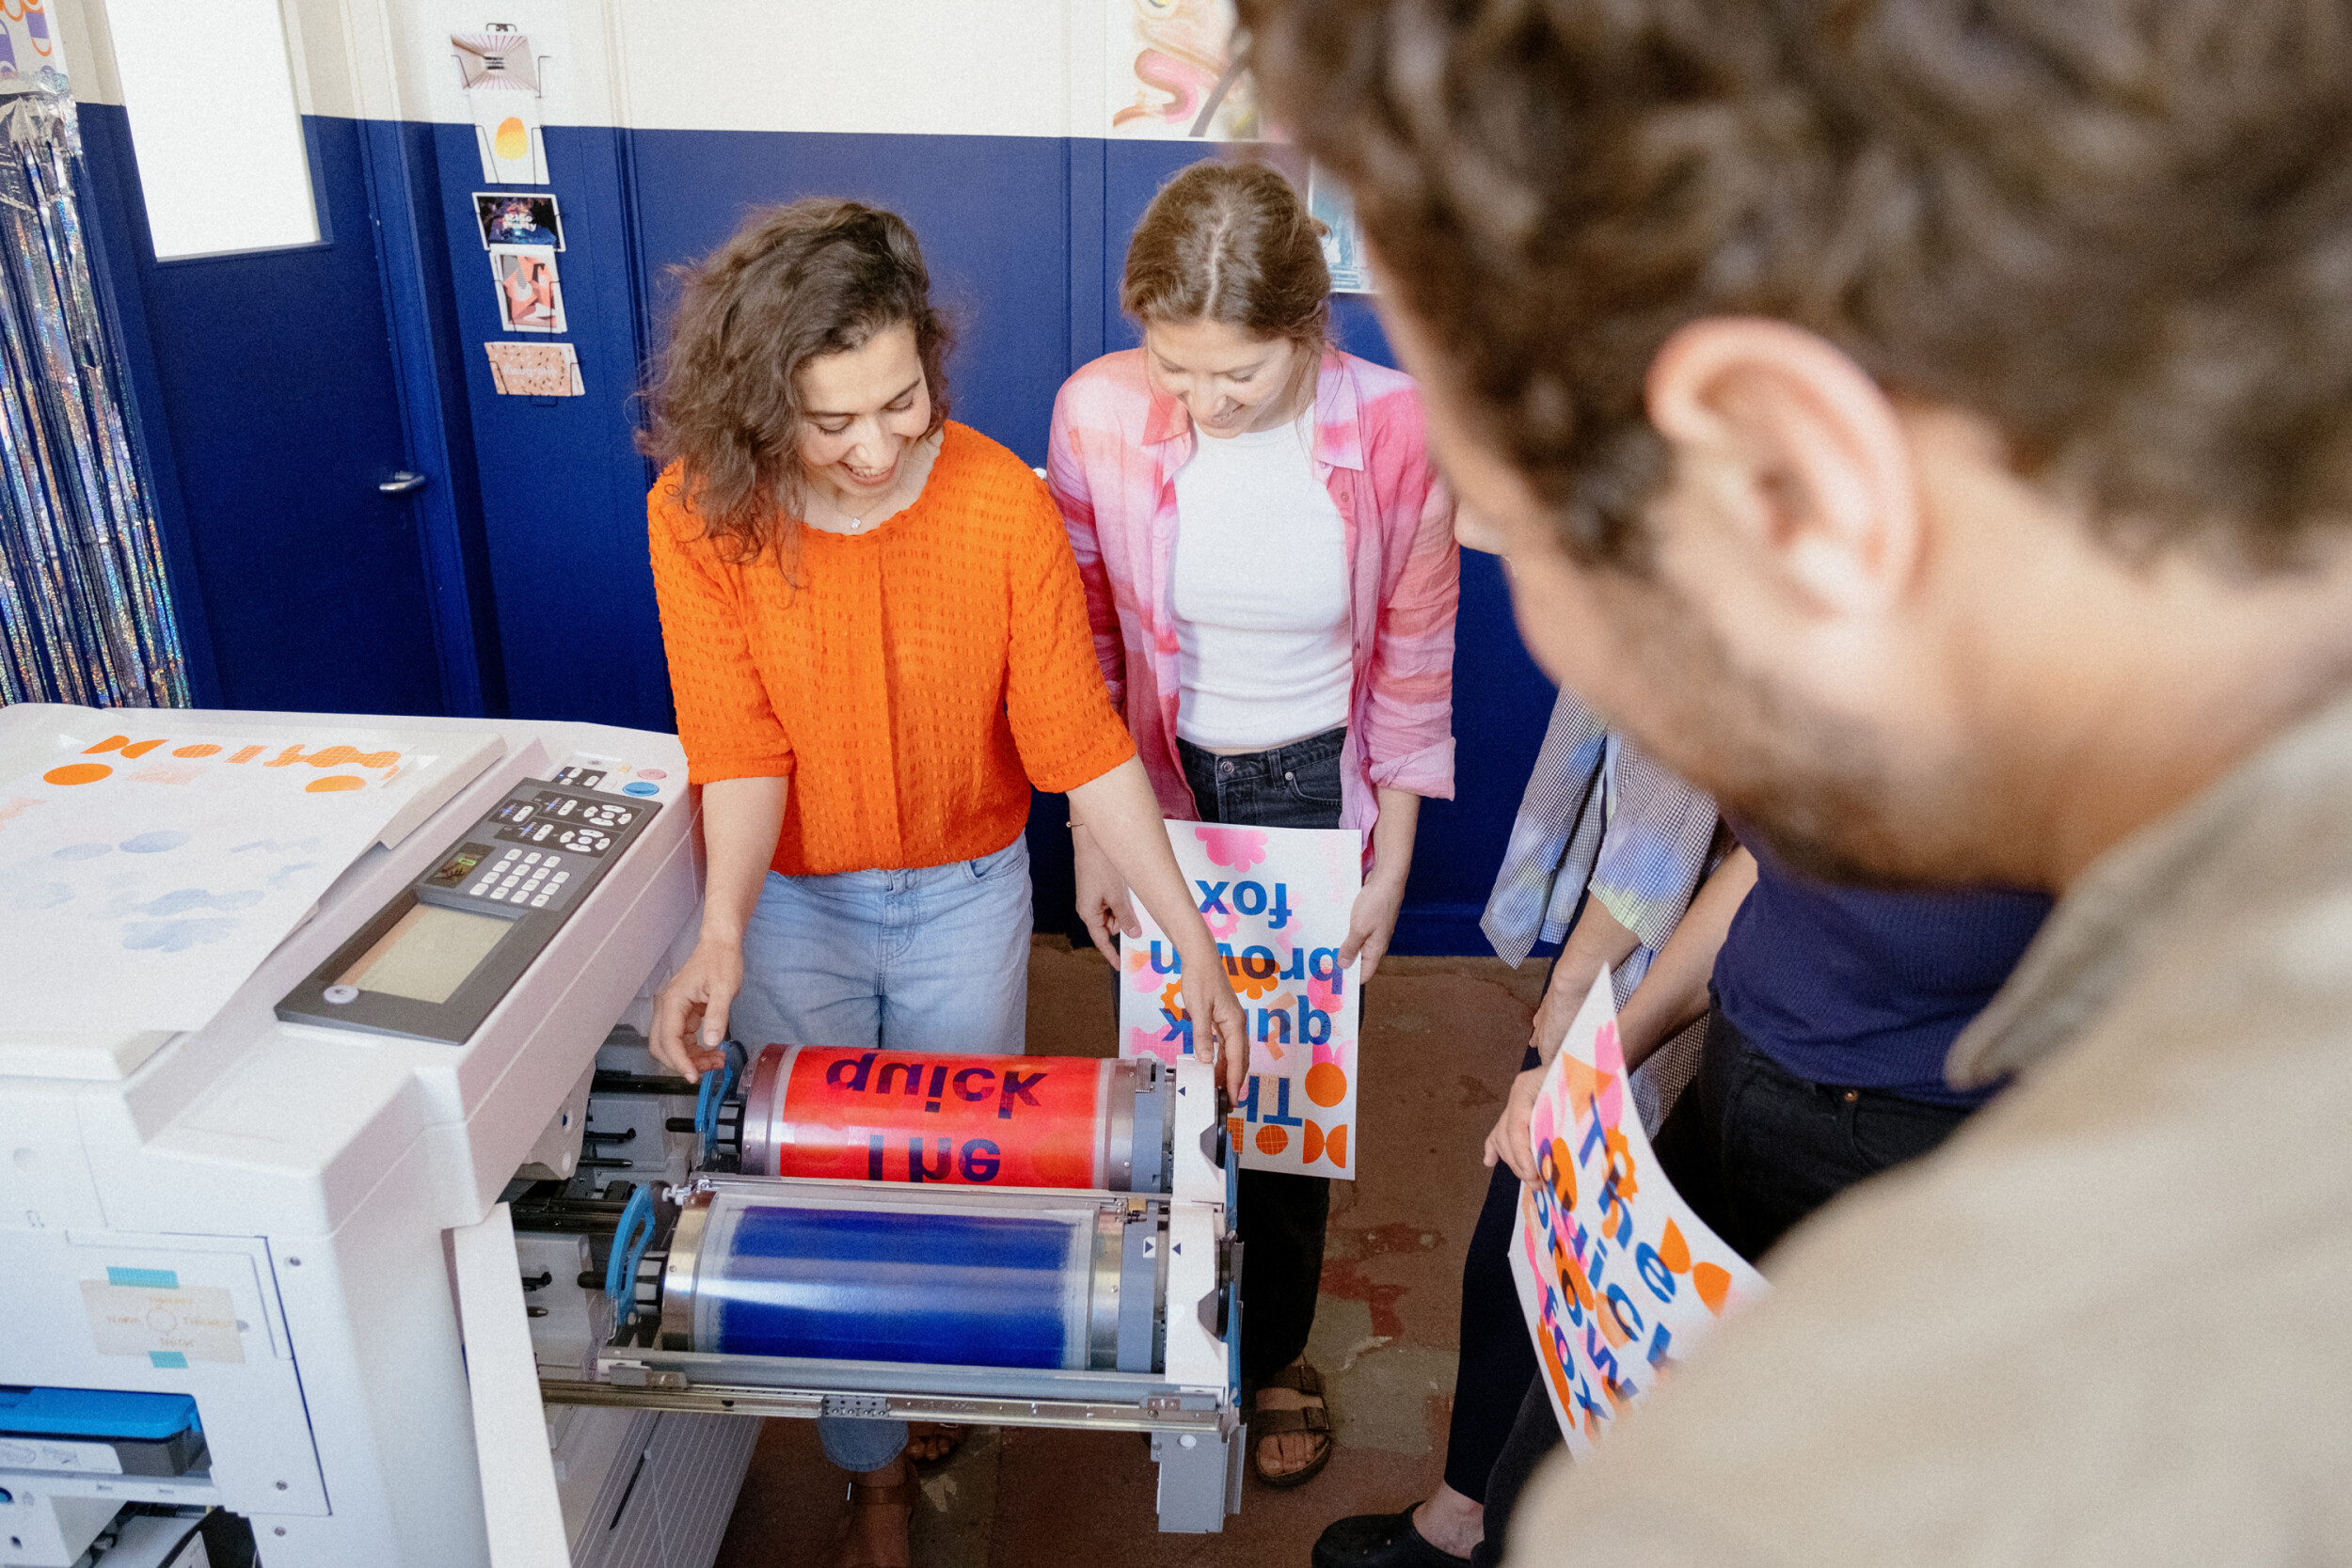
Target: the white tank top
(1260, 591)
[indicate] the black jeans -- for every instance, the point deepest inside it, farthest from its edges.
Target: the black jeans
(1282, 1215)
(1753, 1148)
(1498, 1361)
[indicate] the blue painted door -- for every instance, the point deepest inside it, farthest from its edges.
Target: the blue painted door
(275, 412)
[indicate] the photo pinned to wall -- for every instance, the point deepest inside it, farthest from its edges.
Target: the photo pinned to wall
(28, 51)
(1173, 76)
(500, 76)
(534, 370)
(1328, 204)
(530, 297)
(518, 219)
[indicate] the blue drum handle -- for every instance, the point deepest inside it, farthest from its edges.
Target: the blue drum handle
(629, 1242)
(717, 1085)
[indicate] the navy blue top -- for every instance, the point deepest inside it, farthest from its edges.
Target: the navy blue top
(1863, 988)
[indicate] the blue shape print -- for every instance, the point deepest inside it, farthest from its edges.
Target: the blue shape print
(154, 842)
(187, 900)
(38, 895)
(279, 876)
(173, 936)
(278, 846)
(81, 852)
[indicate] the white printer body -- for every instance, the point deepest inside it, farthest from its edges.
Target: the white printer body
(279, 1199)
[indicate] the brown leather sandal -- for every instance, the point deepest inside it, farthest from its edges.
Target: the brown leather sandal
(873, 1495)
(1316, 1420)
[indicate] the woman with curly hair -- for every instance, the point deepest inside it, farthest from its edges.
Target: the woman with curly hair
(878, 643)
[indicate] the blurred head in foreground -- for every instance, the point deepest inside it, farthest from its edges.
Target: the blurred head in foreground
(1927, 425)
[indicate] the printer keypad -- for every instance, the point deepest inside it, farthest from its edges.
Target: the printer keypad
(533, 880)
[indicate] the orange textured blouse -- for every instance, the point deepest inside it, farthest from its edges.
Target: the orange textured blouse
(913, 683)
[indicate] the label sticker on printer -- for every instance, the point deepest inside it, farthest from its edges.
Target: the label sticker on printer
(198, 1322)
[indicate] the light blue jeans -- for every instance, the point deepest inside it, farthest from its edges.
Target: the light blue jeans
(933, 958)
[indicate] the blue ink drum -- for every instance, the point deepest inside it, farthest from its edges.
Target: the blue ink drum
(885, 1284)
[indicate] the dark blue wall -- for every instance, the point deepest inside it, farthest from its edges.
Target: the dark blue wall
(287, 381)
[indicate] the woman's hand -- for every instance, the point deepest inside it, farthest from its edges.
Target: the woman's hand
(1509, 1142)
(1561, 1005)
(690, 1016)
(1220, 1029)
(1372, 922)
(1102, 895)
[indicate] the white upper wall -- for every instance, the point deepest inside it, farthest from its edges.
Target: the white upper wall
(1008, 68)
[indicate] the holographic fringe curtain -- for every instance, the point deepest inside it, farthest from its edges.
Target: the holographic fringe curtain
(85, 614)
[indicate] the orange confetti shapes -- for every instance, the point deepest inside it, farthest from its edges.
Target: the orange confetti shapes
(334, 783)
(1320, 1144)
(76, 773)
(1714, 1284)
(199, 749)
(1326, 1084)
(141, 748)
(1272, 1140)
(345, 756)
(246, 754)
(112, 743)
(1672, 1251)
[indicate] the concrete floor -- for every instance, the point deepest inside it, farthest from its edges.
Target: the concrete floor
(1441, 1040)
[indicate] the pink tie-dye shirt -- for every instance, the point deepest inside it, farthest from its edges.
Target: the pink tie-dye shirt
(1111, 465)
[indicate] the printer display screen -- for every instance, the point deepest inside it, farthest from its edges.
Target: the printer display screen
(427, 955)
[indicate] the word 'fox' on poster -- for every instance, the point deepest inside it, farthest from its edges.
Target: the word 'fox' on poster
(1278, 901)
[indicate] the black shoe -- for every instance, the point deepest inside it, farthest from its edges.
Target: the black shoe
(1380, 1541)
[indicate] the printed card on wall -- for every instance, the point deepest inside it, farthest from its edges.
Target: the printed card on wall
(534, 370)
(1276, 900)
(1618, 1277)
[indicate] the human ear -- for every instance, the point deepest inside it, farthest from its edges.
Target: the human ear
(1804, 456)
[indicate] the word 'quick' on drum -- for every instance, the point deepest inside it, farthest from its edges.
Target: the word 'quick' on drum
(1003, 1121)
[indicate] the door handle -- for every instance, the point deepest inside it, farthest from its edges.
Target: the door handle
(402, 483)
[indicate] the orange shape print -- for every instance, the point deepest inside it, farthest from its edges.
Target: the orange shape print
(1672, 1251)
(1335, 1146)
(1232, 1131)
(112, 743)
(1272, 1140)
(76, 773)
(1714, 1286)
(1326, 1084)
(247, 754)
(513, 140)
(334, 783)
(1313, 1150)
(142, 748)
(200, 749)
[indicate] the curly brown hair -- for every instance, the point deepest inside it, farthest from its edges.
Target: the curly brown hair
(2121, 230)
(796, 282)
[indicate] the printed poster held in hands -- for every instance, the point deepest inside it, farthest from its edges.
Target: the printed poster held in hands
(1276, 900)
(1618, 1277)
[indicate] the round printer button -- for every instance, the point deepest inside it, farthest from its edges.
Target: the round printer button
(341, 996)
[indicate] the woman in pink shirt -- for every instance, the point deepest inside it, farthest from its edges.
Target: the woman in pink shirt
(1271, 574)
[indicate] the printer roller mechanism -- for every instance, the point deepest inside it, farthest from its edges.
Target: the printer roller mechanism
(411, 1254)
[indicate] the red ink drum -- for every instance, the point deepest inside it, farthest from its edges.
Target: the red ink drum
(995, 1121)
